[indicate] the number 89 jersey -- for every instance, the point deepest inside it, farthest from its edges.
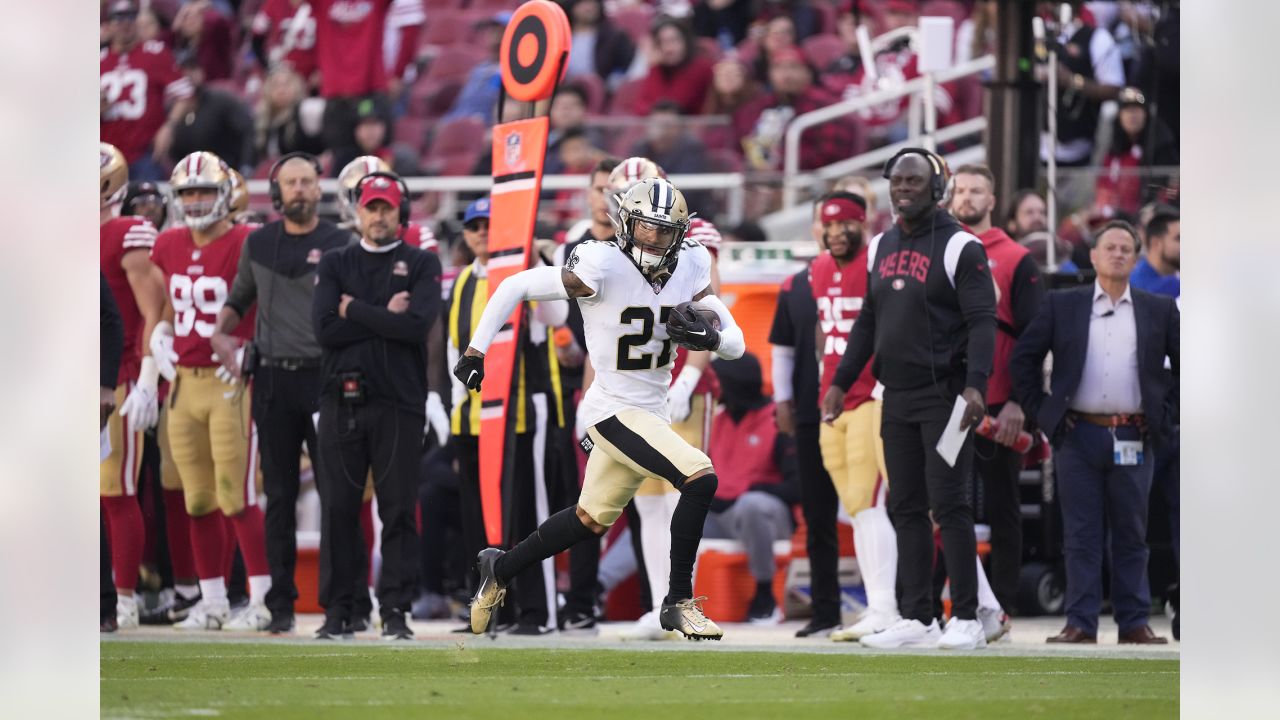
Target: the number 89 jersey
(197, 280)
(625, 324)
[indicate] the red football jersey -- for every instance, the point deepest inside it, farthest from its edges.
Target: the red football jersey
(707, 235)
(839, 292)
(119, 236)
(136, 84)
(420, 236)
(290, 27)
(198, 279)
(349, 46)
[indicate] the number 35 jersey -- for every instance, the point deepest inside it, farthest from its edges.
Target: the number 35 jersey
(839, 293)
(197, 280)
(625, 324)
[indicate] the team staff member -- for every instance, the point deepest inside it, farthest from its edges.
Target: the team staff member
(795, 392)
(1111, 406)
(536, 404)
(929, 318)
(110, 348)
(277, 270)
(1018, 299)
(374, 302)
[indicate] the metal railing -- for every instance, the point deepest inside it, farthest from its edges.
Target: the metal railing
(793, 179)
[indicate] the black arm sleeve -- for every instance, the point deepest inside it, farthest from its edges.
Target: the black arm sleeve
(977, 295)
(1027, 362)
(1026, 292)
(862, 343)
(111, 344)
(333, 331)
(411, 325)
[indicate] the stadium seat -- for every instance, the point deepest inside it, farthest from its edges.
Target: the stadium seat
(494, 6)
(624, 96)
(595, 89)
(412, 132)
(822, 50)
(455, 147)
(634, 20)
(724, 160)
(448, 28)
(455, 64)
(433, 99)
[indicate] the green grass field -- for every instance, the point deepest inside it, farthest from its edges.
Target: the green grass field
(364, 680)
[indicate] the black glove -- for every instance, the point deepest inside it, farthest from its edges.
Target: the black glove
(470, 371)
(689, 328)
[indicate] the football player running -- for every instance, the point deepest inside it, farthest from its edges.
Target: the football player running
(634, 294)
(212, 439)
(125, 246)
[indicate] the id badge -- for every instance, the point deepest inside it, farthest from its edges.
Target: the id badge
(1128, 452)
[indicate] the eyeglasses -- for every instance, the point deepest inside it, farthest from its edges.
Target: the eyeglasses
(476, 225)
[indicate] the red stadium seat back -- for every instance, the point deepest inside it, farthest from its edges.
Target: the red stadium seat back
(457, 136)
(945, 8)
(455, 64)
(634, 20)
(433, 99)
(448, 28)
(822, 50)
(494, 6)
(625, 96)
(595, 89)
(412, 132)
(724, 160)
(459, 163)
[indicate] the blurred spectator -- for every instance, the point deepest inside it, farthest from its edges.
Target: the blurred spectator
(1089, 72)
(745, 231)
(1028, 213)
(599, 47)
(145, 199)
(761, 126)
(675, 150)
(732, 88)
(153, 25)
(479, 95)
(776, 34)
(898, 14)
(568, 112)
(760, 486)
(284, 31)
(576, 156)
(1138, 142)
(858, 185)
(219, 123)
(204, 31)
(136, 81)
(278, 126)
(372, 139)
(676, 70)
(1159, 270)
(804, 19)
(725, 21)
(976, 35)
(349, 54)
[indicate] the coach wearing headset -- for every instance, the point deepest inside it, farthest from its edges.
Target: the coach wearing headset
(374, 302)
(278, 272)
(929, 317)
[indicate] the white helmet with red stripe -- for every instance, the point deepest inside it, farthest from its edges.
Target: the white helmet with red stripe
(113, 174)
(706, 234)
(201, 171)
(626, 175)
(349, 178)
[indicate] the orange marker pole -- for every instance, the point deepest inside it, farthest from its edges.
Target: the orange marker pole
(534, 55)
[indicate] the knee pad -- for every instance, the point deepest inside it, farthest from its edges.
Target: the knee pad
(702, 488)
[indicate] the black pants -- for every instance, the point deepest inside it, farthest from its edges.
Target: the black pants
(441, 531)
(352, 440)
(921, 481)
(283, 404)
(999, 466)
(819, 504)
(519, 510)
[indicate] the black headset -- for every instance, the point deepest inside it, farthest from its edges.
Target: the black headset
(937, 178)
(277, 198)
(404, 192)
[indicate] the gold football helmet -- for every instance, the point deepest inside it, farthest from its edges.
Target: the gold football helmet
(239, 194)
(652, 221)
(201, 171)
(113, 173)
(349, 178)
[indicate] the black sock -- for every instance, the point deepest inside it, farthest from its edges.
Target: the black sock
(558, 533)
(764, 588)
(686, 533)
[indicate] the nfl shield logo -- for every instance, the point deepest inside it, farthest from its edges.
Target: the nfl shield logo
(512, 151)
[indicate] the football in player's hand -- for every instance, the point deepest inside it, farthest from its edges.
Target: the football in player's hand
(694, 326)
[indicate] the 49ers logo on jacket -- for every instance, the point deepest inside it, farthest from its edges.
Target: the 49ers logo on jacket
(904, 264)
(350, 11)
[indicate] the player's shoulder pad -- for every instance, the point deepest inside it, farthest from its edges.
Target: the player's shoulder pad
(872, 248)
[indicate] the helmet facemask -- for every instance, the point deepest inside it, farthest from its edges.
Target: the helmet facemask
(652, 223)
(201, 215)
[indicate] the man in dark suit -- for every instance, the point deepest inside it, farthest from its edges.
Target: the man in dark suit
(1111, 403)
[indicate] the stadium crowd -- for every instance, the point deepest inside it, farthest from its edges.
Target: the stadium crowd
(411, 88)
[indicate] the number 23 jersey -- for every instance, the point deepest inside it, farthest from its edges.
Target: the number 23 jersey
(625, 324)
(197, 280)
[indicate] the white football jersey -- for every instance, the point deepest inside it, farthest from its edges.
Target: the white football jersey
(625, 324)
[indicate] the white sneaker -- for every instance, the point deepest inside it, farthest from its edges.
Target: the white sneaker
(904, 633)
(253, 618)
(126, 611)
(207, 615)
(963, 635)
(647, 628)
(995, 623)
(873, 621)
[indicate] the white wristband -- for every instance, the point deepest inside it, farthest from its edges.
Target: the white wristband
(149, 374)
